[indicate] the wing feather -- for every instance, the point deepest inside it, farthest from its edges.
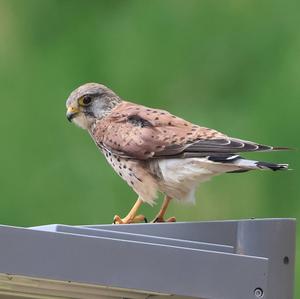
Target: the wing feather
(135, 131)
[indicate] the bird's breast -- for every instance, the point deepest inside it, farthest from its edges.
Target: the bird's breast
(136, 173)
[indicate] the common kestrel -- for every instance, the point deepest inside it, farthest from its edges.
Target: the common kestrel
(155, 151)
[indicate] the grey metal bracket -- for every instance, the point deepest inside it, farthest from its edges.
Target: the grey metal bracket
(244, 259)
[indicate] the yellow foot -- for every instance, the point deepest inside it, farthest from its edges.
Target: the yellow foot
(160, 219)
(128, 220)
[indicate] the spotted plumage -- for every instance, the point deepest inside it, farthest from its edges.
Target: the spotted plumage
(155, 151)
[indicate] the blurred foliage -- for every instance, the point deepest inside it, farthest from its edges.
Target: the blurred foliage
(233, 66)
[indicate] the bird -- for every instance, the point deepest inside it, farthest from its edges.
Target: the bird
(155, 151)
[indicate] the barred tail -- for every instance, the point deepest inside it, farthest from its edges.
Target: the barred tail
(272, 166)
(246, 165)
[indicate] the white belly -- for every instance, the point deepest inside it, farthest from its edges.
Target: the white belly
(182, 176)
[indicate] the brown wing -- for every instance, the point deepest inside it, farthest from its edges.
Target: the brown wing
(139, 132)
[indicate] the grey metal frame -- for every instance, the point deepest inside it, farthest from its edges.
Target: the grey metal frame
(217, 260)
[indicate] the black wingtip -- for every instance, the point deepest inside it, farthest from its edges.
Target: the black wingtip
(283, 148)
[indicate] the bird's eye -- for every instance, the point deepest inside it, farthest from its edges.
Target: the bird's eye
(85, 100)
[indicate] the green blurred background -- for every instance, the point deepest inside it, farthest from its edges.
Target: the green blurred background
(230, 65)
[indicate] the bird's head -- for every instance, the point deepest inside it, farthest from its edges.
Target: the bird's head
(90, 102)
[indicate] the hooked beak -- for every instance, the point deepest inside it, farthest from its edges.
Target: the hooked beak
(71, 113)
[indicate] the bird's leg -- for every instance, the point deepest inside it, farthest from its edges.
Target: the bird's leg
(131, 217)
(160, 216)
